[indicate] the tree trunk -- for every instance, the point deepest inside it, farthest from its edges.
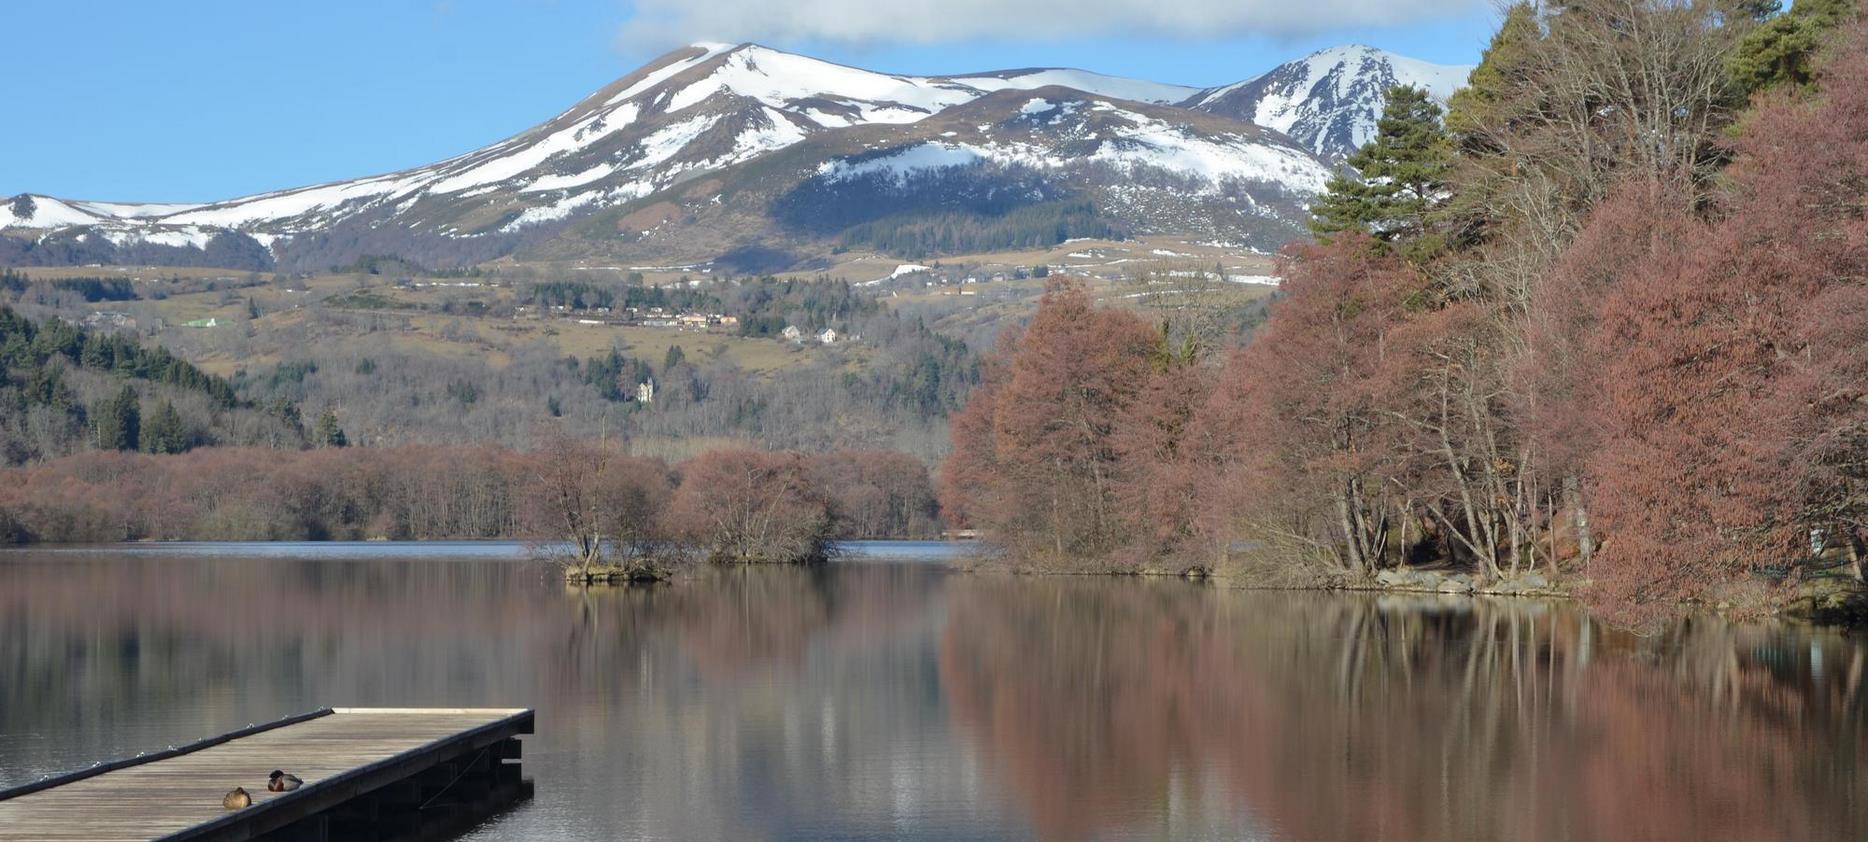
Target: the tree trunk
(1579, 520)
(1349, 529)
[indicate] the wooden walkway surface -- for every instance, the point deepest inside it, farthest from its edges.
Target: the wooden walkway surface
(340, 753)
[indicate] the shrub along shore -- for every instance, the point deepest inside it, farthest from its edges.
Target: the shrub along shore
(725, 505)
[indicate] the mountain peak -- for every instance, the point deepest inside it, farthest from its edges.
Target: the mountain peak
(1329, 100)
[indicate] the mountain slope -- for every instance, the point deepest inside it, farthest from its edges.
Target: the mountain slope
(727, 140)
(1328, 101)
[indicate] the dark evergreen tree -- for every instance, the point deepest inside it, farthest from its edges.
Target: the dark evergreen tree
(165, 432)
(327, 433)
(1399, 177)
(1784, 49)
(674, 357)
(119, 421)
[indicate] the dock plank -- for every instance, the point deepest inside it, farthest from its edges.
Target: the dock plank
(171, 795)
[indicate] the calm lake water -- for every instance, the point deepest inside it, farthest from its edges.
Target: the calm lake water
(884, 696)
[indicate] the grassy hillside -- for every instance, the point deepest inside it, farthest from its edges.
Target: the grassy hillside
(403, 356)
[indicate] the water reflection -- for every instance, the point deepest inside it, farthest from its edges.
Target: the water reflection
(1126, 710)
(895, 699)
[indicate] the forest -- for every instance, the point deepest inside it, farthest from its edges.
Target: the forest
(1600, 321)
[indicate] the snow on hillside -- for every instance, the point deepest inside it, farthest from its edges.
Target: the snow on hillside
(903, 269)
(1330, 100)
(924, 156)
(1144, 142)
(128, 210)
(43, 212)
(779, 79)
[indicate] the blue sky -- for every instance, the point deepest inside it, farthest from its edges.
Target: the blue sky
(195, 101)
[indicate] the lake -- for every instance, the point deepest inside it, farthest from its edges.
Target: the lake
(886, 696)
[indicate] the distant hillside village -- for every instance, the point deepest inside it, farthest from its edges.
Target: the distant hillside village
(633, 316)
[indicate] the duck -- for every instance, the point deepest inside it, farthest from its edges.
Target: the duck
(282, 781)
(237, 799)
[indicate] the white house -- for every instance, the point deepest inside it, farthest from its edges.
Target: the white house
(792, 333)
(828, 337)
(645, 392)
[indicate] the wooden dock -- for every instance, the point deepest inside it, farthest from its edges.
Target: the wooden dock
(370, 774)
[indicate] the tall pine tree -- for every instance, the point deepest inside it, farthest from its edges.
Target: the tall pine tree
(119, 421)
(1399, 177)
(165, 432)
(1784, 49)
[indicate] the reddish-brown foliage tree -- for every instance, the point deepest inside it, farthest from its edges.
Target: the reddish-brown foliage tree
(751, 506)
(1159, 487)
(1035, 462)
(968, 476)
(1306, 448)
(877, 494)
(609, 505)
(605, 504)
(1732, 414)
(1559, 379)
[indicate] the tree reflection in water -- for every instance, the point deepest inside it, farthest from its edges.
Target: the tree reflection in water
(1346, 717)
(862, 700)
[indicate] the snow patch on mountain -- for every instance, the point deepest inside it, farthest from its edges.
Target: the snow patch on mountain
(924, 156)
(779, 79)
(43, 212)
(561, 182)
(666, 72)
(576, 136)
(1330, 100)
(1146, 142)
(561, 209)
(1158, 144)
(903, 269)
(187, 236)
(287, 204)
(131, 210)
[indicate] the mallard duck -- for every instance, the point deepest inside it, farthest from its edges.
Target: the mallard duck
(237, 799)
(282, 782)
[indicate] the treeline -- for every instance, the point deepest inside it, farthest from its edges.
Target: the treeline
(739, 504)
(1604, 320)
(586, 295)
(764, 305)
(1041, 225)
(945, 210)
(227, 250)
(91, 289)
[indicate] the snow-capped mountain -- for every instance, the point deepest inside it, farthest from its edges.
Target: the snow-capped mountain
(715, 147)
(1329, 101)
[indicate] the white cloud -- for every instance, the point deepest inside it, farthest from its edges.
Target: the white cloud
(660, 23)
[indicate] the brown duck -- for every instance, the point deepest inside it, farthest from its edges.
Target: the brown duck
(237, 799)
